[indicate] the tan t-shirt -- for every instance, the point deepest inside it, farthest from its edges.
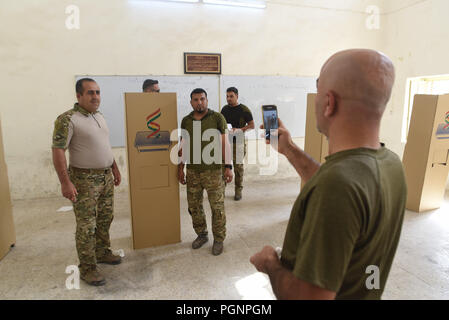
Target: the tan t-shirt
(86, 135)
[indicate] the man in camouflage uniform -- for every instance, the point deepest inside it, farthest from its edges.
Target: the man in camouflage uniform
(204, 174)
(241, 119)
(89, 181)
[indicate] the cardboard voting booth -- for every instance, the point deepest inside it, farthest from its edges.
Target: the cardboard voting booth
(426, 153)
(153, 182)
(315, 143)
(7, 231)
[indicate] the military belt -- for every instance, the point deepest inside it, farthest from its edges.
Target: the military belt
(91, 171)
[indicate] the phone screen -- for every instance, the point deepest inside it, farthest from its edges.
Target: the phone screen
(270, 119)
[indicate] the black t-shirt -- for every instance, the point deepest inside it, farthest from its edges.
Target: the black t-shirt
(238, 116)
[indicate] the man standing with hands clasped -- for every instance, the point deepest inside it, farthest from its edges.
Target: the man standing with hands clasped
(89, 181)
(204, 174)
(345, 225)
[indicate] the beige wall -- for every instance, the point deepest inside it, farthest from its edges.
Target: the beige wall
(416, 38)
(40, 57)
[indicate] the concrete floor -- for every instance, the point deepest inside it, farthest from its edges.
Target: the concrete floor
(36, 267)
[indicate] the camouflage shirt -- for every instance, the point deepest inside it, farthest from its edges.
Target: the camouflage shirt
(86, 135)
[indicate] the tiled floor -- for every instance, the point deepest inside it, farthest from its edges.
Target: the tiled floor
(36, 266)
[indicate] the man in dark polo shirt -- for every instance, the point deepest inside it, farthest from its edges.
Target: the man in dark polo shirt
(205, 128)
(89, 181)
(241, 119)
(345, 225)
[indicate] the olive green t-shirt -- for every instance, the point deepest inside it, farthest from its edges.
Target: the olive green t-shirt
(212, 120)
(346, 222)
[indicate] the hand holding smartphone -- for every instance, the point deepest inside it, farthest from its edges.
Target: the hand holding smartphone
(270, 119)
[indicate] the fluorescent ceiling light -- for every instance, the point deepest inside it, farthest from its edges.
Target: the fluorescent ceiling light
(244, 3)
(183, 0)
(148, 1)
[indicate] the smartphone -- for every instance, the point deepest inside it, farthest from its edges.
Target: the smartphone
(270, 119)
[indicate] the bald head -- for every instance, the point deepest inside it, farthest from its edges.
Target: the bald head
(359, 77)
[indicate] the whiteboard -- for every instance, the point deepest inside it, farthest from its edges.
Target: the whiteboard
(112, 90)
(288, 93)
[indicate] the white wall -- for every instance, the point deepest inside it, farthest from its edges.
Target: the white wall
(40, 57)
(417, 40)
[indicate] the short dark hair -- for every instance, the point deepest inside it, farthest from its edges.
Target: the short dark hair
(148, 83)
(198, 90)
(233, 89)
(79, 84)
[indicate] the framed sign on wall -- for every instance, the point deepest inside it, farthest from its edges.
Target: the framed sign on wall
(205, 63)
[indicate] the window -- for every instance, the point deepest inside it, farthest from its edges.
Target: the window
(421, 85)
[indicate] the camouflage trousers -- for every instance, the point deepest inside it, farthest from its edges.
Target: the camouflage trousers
(212, 181)
(237, 161)
(94, 213)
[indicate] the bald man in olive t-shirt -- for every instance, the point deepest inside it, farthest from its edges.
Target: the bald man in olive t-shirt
(345, 225)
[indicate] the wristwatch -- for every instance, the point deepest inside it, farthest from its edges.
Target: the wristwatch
(228, 166)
